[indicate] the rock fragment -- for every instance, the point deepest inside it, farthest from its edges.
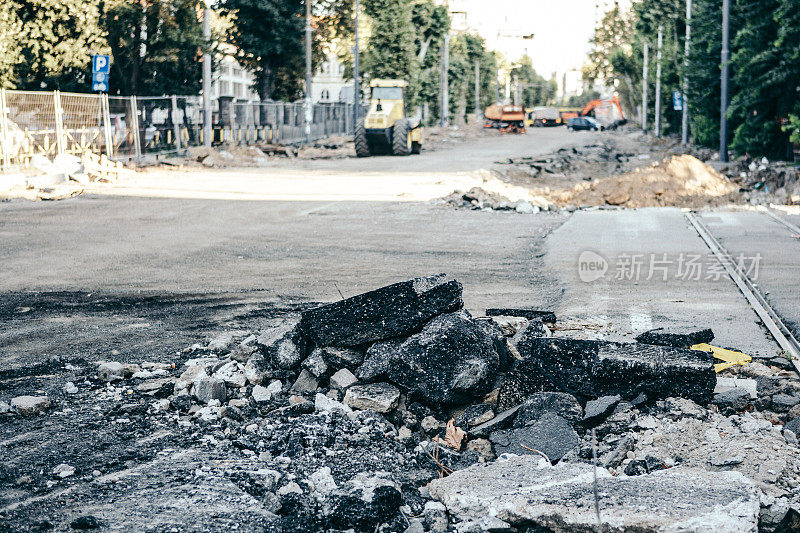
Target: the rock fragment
(283, 345)
(380, 397)
(114, 371)
(548, 317)
(343, 379)
(207, 388)
(392, 311)
(30, 405)
(599, 409)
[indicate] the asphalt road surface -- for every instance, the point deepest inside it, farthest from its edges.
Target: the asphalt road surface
(171, 258)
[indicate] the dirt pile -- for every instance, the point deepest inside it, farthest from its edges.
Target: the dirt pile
(682, 181)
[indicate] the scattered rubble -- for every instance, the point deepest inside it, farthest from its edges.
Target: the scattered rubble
(396, 410)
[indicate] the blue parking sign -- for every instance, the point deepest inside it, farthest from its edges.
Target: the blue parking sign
(101, 63)
(101, 69)
(677, 101)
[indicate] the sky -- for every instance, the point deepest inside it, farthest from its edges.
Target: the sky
(561, 29)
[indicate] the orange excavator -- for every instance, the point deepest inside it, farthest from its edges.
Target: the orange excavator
(607, 111)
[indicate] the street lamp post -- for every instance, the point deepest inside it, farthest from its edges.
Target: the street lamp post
(723, 106)
(308, 110)
(356, 75)
(658, 81)
(685, 123)
(207, 132)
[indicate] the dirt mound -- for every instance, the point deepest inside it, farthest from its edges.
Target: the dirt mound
(682, 181)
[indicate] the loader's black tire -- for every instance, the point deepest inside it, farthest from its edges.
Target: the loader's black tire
(401, 138)
(416, 147)
(360, 140)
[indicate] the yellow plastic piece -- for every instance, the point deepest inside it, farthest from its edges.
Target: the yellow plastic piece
(730, 357)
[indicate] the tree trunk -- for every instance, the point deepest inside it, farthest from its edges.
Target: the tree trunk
(267, 80)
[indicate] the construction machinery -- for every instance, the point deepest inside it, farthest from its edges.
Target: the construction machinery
(506, 118)
(608, 112)
(386, 128)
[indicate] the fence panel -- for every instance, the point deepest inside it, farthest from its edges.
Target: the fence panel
(129, 127)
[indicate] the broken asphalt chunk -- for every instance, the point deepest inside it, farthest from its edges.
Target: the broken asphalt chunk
(391, 311)
(676, 338)
(451, 360)
(551, 434)
(548, 317)
(591, 369)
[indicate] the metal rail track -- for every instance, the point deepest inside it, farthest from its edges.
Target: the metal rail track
(782, 335)
(786, 223)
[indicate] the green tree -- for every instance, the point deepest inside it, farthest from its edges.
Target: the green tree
(391, 42)
(54, 43)
(765, 48)
(536, 90)
(269, 36)
(156, 46)
(10, 28)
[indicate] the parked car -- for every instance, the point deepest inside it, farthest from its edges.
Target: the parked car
(584, 123)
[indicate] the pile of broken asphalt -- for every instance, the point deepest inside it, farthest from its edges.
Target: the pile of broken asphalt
(396, 410)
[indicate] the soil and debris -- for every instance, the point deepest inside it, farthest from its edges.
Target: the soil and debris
(396, 410)
(628, 169)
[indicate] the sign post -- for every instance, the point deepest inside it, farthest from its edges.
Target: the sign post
(101, 69)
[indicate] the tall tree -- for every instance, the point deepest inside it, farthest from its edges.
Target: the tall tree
(391, 41)
(269, 39)
(536, 90)
(54, 41)
(156, 46)
(10, 28)
(767, 88)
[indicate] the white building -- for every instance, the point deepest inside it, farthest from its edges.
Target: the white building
(230, 79)
(329, 84)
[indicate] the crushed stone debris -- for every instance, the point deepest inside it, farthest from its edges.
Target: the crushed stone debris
(422, 412)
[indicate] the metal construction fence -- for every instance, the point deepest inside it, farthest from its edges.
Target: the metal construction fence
(131, 127)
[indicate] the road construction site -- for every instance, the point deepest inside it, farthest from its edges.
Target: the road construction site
(185, 348)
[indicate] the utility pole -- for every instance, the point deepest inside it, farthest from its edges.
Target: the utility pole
(309, 113)
(207, 132)
(477, 89)
(445, 107)
(658, 81)
(723, 106)
(685, 118)
(356, 76)
(645, 87)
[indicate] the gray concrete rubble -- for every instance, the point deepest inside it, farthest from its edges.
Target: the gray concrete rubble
(459, 423)
(384, 313)
(526, 491)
